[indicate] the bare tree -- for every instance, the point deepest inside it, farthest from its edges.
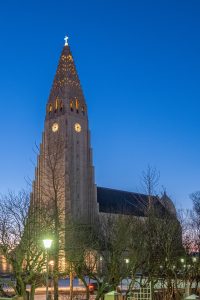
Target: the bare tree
(190, 221)
(25, 220)
(81, 252)
(100, 251)
(49, 194)
(163, 236)
(114, 234)
(19, 244)
(150, 181)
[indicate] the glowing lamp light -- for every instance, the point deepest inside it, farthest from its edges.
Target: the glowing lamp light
(47, 244)
(194, 259)
(51, 263)
(127, 260)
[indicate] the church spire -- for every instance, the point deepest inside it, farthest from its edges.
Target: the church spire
(66, 82)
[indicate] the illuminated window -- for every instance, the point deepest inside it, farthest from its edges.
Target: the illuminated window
(70, 57)
(71, 105)
(56, 104)
(50, 108)
(77, 105)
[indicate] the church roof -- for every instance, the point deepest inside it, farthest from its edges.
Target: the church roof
(168, 204)
(123, 202)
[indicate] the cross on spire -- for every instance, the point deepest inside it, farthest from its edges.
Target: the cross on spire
(66, 40)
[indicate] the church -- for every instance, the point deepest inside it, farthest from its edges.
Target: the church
(66, 138)
(65, 176)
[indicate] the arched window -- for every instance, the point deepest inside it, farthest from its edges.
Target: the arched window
(77, 105)
(71, 105)
(50, 108)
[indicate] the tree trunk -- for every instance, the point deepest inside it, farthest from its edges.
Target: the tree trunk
(32, 291)
(71, 284)
(56, 253)
(152, 288)
(55, 274)
(55, 285)
(86, 286)
(20, 287)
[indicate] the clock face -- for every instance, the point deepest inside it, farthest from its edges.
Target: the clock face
(55, 127)
(77, 127)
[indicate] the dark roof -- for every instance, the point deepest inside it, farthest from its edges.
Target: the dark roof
(123, 202)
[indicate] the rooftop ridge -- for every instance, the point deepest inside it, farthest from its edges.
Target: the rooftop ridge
(128, 192)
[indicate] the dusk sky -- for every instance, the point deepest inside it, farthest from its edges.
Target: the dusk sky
(139, 66)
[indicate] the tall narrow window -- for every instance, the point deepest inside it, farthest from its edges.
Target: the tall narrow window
(56, 104)
(50, 108)
(71, 105)
(77, 105)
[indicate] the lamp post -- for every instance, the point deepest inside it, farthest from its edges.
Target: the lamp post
(127, 261)
(51, 265)
(47, 245)
(185, 267)
(101, 264)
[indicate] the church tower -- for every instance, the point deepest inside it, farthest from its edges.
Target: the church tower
(65, 172)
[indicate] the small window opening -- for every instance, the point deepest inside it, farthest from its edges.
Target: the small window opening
(77, 105)
(56, 104)
(61, 105)
(71, 105)
(50, 108)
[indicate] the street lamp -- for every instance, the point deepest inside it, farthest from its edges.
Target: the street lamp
(47, 245)
(127, 260)
(194, 259)
(182, 260)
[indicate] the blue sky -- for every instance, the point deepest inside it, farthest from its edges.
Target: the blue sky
(139, 65)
